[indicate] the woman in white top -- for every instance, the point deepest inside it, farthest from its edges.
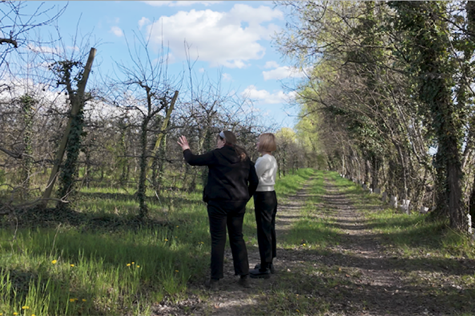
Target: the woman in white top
(265, 203)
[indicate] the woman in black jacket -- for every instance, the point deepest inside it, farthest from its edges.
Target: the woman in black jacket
(232, 180)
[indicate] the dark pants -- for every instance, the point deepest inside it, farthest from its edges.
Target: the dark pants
(265, 204)
(231, 215)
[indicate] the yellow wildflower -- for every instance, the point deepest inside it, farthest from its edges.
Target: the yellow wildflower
(166, 239)
(33, 315)
(54, 261)
(72, 265)
(177, 271)
(15, 313)
(133, 262)
(25, 307)
(83, 299)
(138, 266)
(177, 226)
(71, 300)
(128, 264)
(304, 245)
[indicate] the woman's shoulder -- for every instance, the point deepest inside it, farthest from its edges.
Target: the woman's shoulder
(267, 157)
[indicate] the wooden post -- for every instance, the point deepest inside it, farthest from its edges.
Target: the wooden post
(165, 124)
(77, 104)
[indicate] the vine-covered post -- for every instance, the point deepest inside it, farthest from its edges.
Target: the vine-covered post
(158, 151)
(27, 107)
(71, 132)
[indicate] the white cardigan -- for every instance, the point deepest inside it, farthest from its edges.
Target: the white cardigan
(266, 169)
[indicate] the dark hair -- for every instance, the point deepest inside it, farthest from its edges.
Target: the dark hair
(230, 140)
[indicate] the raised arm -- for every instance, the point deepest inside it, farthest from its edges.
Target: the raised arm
(195, 160)
(199, 160)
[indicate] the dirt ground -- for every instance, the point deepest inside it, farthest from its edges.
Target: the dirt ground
(358, 276)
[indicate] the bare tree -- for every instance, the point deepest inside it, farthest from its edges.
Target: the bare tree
(145, 86)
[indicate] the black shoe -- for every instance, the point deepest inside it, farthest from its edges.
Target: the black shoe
(212, 284)
(271, 266)
(258, 274)
(244, 281)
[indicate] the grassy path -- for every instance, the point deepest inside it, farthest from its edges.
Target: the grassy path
(341, 253)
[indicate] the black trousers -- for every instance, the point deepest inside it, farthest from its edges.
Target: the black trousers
(265, 204)
(231, 215)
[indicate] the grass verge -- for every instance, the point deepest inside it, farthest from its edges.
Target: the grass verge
(98, 261)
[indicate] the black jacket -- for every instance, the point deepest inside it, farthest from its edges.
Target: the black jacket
(230, 178)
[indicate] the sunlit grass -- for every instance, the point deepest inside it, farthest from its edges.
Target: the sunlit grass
(293, 182)
(312, 230)
(108, 271)
(91, 269)
(406, 235)
(95, 269)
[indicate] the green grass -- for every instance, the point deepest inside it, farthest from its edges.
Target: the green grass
(423, 246)
(312, 229)
(100, 263)
(105, 264)
(111, 270)
(293, 182)
(403, 234)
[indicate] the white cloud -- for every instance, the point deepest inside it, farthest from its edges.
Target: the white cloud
(201, 70)
(179, 3)
(227, 77)
(51, 50)
(45, 49)
(266, 97)
(271, 64)
(217, 37)
(143, 21)
(117, 31)
(283, 73)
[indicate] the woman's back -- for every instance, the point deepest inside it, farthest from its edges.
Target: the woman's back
(230, 178)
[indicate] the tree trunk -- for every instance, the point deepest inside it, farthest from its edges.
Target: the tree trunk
(375, 172)
(142, 187)
(471, 202)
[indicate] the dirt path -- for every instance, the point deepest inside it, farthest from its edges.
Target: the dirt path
(355, 276)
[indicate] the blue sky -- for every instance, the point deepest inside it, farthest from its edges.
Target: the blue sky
(230, 39)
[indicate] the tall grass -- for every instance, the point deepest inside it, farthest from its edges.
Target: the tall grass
(91, 269)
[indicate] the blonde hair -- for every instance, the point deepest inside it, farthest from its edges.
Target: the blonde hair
(267, 142)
